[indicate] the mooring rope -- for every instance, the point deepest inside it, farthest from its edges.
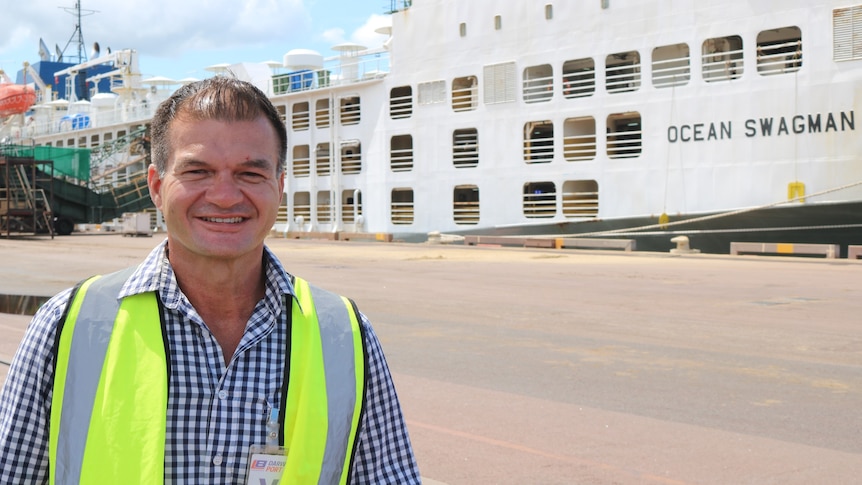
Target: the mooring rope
(629, 230)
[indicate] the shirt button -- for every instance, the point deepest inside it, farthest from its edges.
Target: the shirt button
(217, 460)
(222, 395)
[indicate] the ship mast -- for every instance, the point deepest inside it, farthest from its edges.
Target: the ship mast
(78, 35)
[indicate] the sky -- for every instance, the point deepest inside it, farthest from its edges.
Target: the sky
(179, 38)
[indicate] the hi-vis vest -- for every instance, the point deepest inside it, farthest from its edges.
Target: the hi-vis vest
(109, 408)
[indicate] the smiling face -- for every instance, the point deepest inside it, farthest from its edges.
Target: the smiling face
(221, 188)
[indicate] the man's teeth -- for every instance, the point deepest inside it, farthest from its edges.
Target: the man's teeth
(224, 220)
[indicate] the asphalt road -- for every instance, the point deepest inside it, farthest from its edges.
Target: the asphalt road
(557, 367)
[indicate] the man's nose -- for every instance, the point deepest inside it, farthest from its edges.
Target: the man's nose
(224, 191)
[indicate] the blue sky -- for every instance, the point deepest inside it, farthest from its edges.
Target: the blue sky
(179, 38)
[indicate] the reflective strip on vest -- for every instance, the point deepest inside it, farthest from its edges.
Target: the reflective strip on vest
(331, 353)
(124, 441)
(116, 437)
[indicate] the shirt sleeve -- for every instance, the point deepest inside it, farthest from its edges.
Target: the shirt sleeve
(384, 454)
(25, 401)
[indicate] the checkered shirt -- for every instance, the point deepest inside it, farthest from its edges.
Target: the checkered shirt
(215, 411)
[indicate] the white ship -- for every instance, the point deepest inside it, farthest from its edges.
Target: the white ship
(729, 121)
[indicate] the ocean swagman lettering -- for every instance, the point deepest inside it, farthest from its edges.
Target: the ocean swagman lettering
(764, 127)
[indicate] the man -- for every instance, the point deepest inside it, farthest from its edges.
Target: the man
(207, 363)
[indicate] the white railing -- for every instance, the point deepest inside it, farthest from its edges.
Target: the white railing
(466, 212)
(539, 149)
(55, 123)
(540, 205)
(579, 147)
(401, 160)
(401, 106)
(579, 85)
(624, 144)
(538, 89)
(581, 204)
(623, 77)
(779, 58)
(301, 167)
(671, 72)
(337, 71)
(464, 99)
(720, 66)
(402, 213)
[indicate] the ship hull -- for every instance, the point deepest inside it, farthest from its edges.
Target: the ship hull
(828, 223)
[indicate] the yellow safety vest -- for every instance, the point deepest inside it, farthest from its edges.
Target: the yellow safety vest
(109, 407)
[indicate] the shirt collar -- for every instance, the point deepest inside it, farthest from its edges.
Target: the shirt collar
(155, 273)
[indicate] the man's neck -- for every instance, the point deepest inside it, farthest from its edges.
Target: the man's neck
(224, 293)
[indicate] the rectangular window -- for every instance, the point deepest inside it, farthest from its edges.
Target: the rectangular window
(322, 160)
(350, 110)
(538, 83)
(465, 93)
(401, 210)
(623, 72)
(624, 135)
(465, 209)
(580, 198)
(351, 205)
(299, 117)
(579, 78)
(324, 206)
(301, 161)
(302, 208)
(401, 102)
(671, 66)
(540, 200)
(351, 157)
(401, 153)
(539, 142)
(321, 113)
(779, 51)
(579, 139)
(465, 148)
(722, 58)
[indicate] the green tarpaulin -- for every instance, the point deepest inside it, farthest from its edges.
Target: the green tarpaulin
(73, 162)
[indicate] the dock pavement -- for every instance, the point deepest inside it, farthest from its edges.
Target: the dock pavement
(548, 366)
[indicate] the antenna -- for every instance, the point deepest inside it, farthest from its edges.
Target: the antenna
(78, 35)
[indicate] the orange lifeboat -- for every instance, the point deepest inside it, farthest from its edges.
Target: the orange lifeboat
(15, 99)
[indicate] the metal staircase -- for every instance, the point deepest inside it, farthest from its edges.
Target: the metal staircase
(24, 208)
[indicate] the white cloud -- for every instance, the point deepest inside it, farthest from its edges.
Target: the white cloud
(333, 36)
(156, 27)
(366, 34)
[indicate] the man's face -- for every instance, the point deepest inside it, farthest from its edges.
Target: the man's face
(220, 193)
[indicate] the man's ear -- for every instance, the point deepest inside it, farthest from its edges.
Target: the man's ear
(154, 182)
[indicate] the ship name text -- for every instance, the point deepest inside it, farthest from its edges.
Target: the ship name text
(764, 127)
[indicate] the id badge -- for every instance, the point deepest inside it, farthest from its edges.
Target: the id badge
(265, 464)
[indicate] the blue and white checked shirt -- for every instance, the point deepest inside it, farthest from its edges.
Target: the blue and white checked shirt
(215, 411)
